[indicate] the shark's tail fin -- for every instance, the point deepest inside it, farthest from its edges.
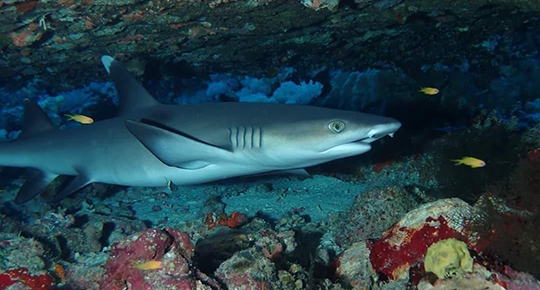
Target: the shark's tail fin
(35, 121)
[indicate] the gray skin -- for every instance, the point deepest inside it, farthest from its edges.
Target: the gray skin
(152, 144)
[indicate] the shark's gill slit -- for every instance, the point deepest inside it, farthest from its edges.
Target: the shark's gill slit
(251, 140)
(236, 138)
(241, 133)
(232, 137)
(260, 137)
(244, 133)
(249, 137)
(256, 137)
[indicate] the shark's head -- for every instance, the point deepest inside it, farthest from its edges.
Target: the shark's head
(325, 135)
(266, 136)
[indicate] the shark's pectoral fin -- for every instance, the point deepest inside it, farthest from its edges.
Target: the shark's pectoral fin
(175, 148)
(76, 184)
(193, 165)
(35, 183)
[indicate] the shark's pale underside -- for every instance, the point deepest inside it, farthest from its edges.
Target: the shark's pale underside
(150, 144)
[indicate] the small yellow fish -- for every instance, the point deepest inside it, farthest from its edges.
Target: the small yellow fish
(150, 265)
(429, 91)
(80, 119)
(469, 161)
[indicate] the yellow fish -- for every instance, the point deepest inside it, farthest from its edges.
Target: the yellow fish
(80, 119)
(429, 91)
(469, 161)
(150, 265)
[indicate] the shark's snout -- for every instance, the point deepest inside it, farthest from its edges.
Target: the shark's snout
(379, 131)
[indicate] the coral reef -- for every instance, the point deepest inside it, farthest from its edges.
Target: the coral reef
(22, 276)
(354, 268)
(401, 217)
(508, 217)
(214, 250)
(269, 37)
(17, 252)
(249, 269)
(405, 243)
(490, 138)
(372, 213)
(448, 258)
(172, 248)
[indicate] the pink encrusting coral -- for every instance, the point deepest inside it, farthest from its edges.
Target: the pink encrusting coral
(405, 244)
(22, 276)
(392, 260)
(27, 36)
(171, 247)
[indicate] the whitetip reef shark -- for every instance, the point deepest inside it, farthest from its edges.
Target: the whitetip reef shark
(151, 144)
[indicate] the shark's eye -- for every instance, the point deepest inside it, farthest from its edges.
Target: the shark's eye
(336, 126)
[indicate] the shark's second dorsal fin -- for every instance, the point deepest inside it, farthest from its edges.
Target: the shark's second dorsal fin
(132, 95)
(35, 119)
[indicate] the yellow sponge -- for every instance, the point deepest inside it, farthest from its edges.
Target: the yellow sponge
(448, 258)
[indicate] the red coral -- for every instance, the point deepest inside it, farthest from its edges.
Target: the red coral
(381, 165)
(38, 282)
(26, 6)
(152, 244)
(27, 36)
(392, 260)
(534, 154)
(236, 219)
(5, 280)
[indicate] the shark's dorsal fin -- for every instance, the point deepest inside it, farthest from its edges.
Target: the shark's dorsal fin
(35, 119)
(131, 94)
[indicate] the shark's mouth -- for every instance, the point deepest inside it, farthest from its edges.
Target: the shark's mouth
(350, 148)
(373, 138)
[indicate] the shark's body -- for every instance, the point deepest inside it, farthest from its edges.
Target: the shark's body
(152, 144)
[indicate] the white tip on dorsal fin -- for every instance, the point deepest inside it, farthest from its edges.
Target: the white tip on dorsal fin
(131, 94)
(107, 61)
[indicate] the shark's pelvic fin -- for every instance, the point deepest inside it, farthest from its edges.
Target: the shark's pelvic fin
(35, 119)
(79, 182)
(187, 153)
(298, 172)
(36, 182)
(132, 95)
